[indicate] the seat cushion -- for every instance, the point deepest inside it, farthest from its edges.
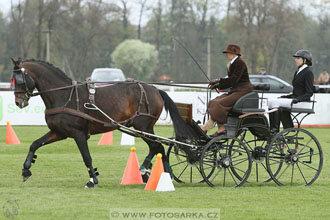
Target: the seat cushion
(299, 110)
(247, 103)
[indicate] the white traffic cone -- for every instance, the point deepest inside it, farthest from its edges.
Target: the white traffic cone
(127, 139)
(165, 183)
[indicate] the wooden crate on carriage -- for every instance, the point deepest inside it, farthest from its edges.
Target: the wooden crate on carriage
(185, 111)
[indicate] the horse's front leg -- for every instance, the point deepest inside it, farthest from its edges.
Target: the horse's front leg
(81, 140)
(48, 138)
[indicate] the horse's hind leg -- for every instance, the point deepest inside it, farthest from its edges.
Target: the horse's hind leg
(154, 148)
(81, 140)
(48, 138)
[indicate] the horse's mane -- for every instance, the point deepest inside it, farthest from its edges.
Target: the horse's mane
(57, 70)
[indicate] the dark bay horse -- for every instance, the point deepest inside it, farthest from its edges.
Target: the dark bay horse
(133, 104)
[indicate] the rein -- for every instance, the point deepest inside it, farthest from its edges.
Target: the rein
(58, 88)
(115, 82)
(20, 76)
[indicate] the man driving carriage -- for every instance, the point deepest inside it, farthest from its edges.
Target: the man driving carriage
(239, 83)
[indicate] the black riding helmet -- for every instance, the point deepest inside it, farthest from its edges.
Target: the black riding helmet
(304, 54)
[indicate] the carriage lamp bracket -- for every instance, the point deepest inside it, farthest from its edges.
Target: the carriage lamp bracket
(311, 151)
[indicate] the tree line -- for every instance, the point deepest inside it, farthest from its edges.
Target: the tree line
(84, 33)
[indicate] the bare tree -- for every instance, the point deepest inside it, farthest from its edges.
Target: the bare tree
(158, 15)
(142, 8)
(125, 16)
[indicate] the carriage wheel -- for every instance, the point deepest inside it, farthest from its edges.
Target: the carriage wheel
(258, 150)
(226, 155)
(301, 155)
(185, 169)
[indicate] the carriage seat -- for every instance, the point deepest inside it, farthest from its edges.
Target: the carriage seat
(247, 103)
(305, 110)
(300, 110)
(250, 102)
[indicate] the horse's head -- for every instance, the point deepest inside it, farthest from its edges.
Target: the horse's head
(22, 84)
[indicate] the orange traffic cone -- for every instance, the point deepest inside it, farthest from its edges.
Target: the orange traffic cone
(132, 173)
(11, 137)
(106, 139)
(155, 174)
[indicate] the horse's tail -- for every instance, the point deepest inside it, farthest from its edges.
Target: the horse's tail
(181, 128)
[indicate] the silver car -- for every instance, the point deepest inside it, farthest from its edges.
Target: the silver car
(107, 75)
(277, 85)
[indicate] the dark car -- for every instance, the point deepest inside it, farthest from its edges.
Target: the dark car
(277, 85)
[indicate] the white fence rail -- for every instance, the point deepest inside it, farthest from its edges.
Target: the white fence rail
(34, 113)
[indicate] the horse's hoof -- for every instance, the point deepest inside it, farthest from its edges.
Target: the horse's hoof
(26, 174)
(89, 185)
(25, 178)
(145, 176)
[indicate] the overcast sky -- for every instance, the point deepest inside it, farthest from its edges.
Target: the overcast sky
(134, 10)
(5, 5)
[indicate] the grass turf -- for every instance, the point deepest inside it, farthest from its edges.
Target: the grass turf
(55, 190)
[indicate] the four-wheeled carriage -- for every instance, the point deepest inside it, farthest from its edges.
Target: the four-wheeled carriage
(292, 156)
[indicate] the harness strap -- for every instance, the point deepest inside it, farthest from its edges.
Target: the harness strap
(63, 110)
(130, 120)
(74, 83)
(143, 93)
(70, 97)
(127, 122)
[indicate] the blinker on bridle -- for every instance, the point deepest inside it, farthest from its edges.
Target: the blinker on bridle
(19, 77)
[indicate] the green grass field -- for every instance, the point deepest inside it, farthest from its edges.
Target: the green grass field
(55, 190)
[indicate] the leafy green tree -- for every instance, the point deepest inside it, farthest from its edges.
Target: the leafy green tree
(136, 58)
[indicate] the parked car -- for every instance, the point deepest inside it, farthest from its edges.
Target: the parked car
(107, 75)
(277, 85)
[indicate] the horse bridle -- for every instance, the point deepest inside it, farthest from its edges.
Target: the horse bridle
(19, 77)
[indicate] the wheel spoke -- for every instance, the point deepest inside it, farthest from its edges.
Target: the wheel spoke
(271, 158)
(238, 151)
(263, 165)
(173, 165)
(239, 170)
(241, 161)
(209, 167)
(224, 177)
(190, 174)
(199, 170)
(232, 177)
(183, 171)
(301, 173)
(306, 145)
(289, 145)
(292, 174)
(283, 171)
(308, 166)
(221, 151)
(216, 174)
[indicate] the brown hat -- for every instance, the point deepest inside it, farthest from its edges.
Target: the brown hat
(233, 48)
